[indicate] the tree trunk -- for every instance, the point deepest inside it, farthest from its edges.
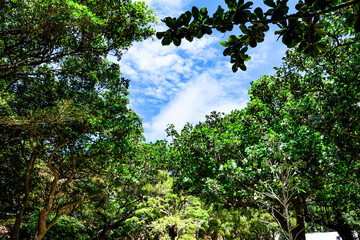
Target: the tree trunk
(104, 232)
(109, 226)
(15, 232)
(172, 232)
(339, 225)
(42, 228)
(299, 231)
(344, 231)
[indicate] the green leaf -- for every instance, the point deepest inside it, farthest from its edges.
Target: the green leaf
(234, 68)
(170, 22)
(231, 4)
(320, 31)
(244, 29)
(219, 13)
(357, 8)
(232, 39)
(227, 52)
(160, 35)
(321, 46)
(259, 13)
(208, 30)
(187, 17)
(166, 41)
(195, 12)
(203, 11)
(242, 67)
(189, 37)
(299, 6)
(224, 44)
(270, 3)
(177, 41)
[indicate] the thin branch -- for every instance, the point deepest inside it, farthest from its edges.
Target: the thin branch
(274, 21)
(52, 192)
(59, 211)
(127, 215)
(297, 16)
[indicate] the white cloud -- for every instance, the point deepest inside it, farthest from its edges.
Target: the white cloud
(168, 7)
(266, 54)
(183, 84)
(160, 71)
(198, 46)
(198, 98)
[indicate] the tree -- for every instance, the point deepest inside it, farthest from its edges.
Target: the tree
(299, 130)
(247, 224)
(236, 223)
(71, 163)
(323, 94)
(46, 40)
(254, 158)
(284, 150)
(64, 124)
(139, 178)
(335, 206)
(167, 214)
(301, 28)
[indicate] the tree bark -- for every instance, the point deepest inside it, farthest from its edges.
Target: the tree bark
(344, 230)
(104, 232)
(299, 230)
(15, 232)
(172, 232)
(42, 229)
(339, 225)
(346, 234)
(109, 226)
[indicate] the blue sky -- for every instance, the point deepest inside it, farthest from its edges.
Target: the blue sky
(175, 85)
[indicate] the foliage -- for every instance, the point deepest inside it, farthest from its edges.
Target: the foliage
(282, 151)
(139, 179)
(246, 161)
(65, 125)
(236, 223)
(73, 164)
(247, 224)
(66, 228)
(53, 53)
(323, 94)
(170, 215)
(301, 28)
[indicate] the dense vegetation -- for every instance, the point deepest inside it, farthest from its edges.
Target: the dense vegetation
(74, 163)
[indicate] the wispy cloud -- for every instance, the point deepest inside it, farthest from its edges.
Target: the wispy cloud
(199, 97)
(162, 71)
(168, 7)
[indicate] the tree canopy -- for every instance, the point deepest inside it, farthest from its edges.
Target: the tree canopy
(54, 54)
(289, 150)
(73, 161)
(65, 125)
